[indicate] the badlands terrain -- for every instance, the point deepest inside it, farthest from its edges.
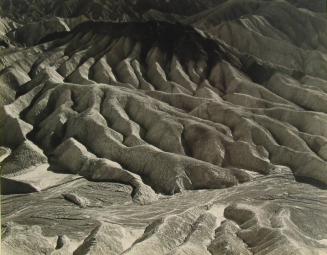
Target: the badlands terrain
(177, 127)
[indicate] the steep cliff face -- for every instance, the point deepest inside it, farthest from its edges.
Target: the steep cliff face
(143, 127)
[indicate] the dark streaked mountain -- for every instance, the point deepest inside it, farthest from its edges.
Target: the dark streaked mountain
(34, 10)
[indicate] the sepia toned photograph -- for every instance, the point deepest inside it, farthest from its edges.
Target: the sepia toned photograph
(163, 127)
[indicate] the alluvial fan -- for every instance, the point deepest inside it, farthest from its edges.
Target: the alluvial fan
(163, 127)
